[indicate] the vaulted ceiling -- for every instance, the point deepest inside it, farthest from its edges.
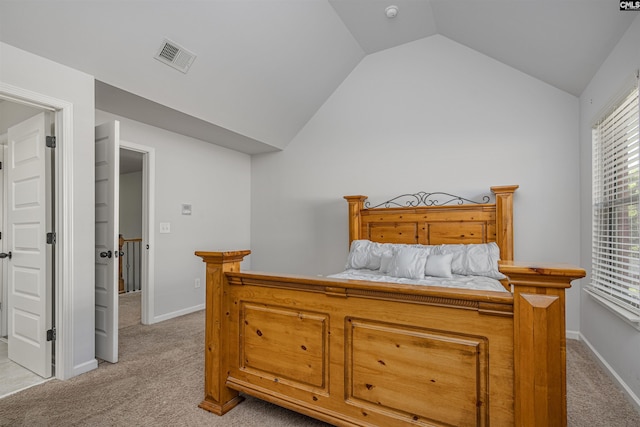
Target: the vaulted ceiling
(264, 67)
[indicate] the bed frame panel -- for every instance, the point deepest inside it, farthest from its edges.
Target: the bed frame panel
(363, 353)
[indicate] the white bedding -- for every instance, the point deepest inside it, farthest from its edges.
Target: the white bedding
(456, 281)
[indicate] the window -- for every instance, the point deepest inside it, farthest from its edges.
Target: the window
(616, 195)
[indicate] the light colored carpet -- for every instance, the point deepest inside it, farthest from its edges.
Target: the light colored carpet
(159, 382)
(593, 399)
(129, 309)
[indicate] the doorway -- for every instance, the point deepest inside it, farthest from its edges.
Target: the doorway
(130, 238)
(107, 219)
(137, 171)
(65, 303)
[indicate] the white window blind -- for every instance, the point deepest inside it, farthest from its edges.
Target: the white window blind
(616, 195)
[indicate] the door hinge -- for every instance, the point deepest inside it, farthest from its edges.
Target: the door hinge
(51, 238)
(51, 141)
(51, 334)
(0, 165)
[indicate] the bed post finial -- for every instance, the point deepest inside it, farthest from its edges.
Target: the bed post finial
(504, 219)
(356, 204)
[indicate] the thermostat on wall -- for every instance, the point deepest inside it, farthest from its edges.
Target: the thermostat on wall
(186, 209)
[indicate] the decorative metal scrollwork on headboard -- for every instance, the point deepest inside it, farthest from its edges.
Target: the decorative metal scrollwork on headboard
(423, 198)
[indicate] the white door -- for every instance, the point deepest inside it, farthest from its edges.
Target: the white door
(29, 257)
(107, 250)
(3, 239)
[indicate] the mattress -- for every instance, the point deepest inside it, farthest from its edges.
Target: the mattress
(481, 283)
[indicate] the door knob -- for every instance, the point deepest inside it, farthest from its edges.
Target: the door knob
(105, 254)
(5, 255)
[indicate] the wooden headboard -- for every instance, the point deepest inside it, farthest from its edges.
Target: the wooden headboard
(419, 218)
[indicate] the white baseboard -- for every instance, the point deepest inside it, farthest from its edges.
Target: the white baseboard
(178, 313)
(631, 396)
(573, 335)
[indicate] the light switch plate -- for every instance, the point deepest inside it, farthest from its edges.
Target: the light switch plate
(165, 227)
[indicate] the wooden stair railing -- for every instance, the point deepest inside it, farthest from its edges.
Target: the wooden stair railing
(122, 242)
(120, 278)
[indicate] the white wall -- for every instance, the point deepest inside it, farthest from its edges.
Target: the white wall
(12, 113)
(216, 182)
(431, 115)
(131, 205)
(611, 338)
(36, 74)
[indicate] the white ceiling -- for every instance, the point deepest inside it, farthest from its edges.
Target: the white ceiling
(264, 67)
(561, 42)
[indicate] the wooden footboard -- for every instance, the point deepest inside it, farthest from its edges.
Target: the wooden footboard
(362, 353)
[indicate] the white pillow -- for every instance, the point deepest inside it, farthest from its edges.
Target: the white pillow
(438, 265)
(457, 252)
(408, 262)
(482, 260)
(385, 262)
(360, 255)
(366, 254)
(479, 259)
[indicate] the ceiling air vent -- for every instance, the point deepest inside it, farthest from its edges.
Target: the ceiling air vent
(175, 56)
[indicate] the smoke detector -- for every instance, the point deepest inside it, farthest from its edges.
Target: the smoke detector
(391, 11)
(175, 56)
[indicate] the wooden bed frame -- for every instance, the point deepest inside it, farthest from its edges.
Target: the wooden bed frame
(374, 354)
